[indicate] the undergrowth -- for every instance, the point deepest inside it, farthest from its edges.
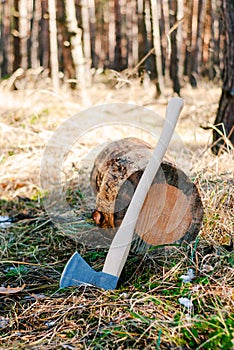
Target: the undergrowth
(151, 308)
(144, 312)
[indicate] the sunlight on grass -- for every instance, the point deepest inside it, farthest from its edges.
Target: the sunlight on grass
(144, 311)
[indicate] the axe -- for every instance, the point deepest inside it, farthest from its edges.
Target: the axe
(77, 271)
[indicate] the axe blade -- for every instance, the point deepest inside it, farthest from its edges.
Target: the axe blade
(77, 272)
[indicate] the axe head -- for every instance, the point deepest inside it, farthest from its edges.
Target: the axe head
(77, 272)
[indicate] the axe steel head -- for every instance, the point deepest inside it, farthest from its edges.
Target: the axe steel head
(77, 272)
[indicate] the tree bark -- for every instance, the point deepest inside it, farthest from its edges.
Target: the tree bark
(86, 39)
(34, 29)
(199, 41)
(92, 19)
(188, 55)
(157, 45)
(53, 45)
(76, 43)
(174, 52)
(118, 52)
(225, 116)
(181, 52)
(165, 27)
(44, 35)
(207, 37)
(142, 34)
(172, 211)
(132, 34)
(5, 39)
(23, 30)
(16, 39)
(65, 59)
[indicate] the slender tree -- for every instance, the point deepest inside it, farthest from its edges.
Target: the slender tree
(64, 53)
(53, 45)
(34, 30)
(135, 32)
(86, 30)
(131, 33)
(165, 28)
(118, 57)
(207, 36)
(197, 63)
(5, 38)
(142, 34)
(16, 39)
(157, 45)
(92, 24)
(44, 35)
(105, 46)
(180, 16)
(174, 55)
(23, 31)
(76, 43)
(193, 70)
(225, 116)
(188, 38)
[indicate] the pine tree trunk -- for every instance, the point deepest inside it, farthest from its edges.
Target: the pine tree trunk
(5, 38)
(76, 43)
(111, 34)
(86, 39)
(200, 29)
(92, 32)
(225, 116)
(150, 62)
(207, 37)
(174, 55)
(142, 36)
(16, 39)
(188, 56)
(105, 33)
(33, 43)
(135, 33)
(132, 32)
(23, 30)
(180, 15)
(157, 46)
(193, 73)
(118, 57)
(211, 70)
(65, 58)
(124, 38)
(53, 45)
(44, 35)
(165, 47)
(217, 33)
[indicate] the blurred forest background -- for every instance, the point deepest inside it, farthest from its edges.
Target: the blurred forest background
(168, 39)
(173, 42)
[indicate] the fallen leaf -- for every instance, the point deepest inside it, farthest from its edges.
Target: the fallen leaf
(9, 290)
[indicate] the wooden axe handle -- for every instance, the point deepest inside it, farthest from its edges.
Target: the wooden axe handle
(120, 246)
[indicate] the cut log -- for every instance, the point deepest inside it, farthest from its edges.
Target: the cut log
(172, 211)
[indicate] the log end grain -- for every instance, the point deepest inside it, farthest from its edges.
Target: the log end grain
(172, 211)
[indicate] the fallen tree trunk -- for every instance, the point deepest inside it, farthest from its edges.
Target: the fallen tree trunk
(172, 211)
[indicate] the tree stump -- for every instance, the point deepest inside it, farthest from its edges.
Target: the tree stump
(172, 211)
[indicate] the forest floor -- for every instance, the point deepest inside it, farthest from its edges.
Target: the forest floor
(146, 310)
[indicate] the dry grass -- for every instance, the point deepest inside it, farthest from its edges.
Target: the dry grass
(144, 311)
